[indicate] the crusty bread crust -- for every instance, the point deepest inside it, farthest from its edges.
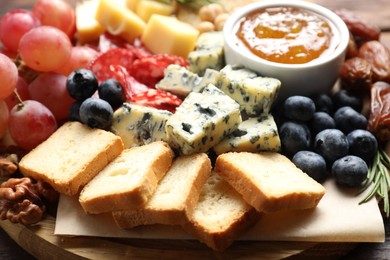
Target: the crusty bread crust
(129, 181)
(221, 215)
(57, 160)
(269, 181)
(220, 241)
(162, 208)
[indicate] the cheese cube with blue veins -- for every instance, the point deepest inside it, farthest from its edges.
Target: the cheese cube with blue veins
(210, 76)
(178, 80)
(139, 125)
(252, 135)
(255, 94)
(208, 53)
(202, 121)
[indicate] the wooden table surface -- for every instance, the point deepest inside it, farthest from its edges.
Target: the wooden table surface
(376, 11)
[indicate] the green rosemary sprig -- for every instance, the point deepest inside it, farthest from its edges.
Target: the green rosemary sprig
(378, 176)
(190, 3)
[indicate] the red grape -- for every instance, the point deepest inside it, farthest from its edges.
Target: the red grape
(13, 25)
(3, 118)
(30, 123)
(8, 76)
(49, 88)
(56, 13)
(45, 48)
(80, 57)
(22, 89)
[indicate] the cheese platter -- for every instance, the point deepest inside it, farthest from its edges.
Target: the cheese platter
(43, 240)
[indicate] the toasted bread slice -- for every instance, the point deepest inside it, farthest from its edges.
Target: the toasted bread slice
(129, 181)
(221, 215)
(175, 197)
(71, 157)
(269, 181)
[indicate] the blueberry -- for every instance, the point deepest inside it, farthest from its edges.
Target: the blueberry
(321, 121)
(332, 144)
(362, 144)
(323, 103)
(74, 111)
(344, 98)
(96, 113)
(81, 84)
(311, 163)
(294, 137)
(111, 91)
(299, 108)
(347, 119)
(350, 171)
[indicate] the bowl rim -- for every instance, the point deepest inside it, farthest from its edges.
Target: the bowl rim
(333, 18)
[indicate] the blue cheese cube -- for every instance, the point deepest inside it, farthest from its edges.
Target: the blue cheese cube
(178, 80)
(208, 53)
(210, 76)
(139, 125)
(252, 135)
(254, 94)
(202, 121)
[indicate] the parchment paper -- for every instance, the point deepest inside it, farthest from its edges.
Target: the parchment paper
(337, 218)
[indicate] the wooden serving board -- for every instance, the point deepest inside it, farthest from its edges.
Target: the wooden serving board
(40, 241)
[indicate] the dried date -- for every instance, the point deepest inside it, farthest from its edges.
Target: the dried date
(352, 49)
(378, 55)
(361, 30)
(379, 120)
(356, 74)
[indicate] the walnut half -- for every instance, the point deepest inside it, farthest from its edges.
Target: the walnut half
(8, 165)
(22, 200)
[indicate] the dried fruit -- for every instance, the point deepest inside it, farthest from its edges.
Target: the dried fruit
(352, 48)
(361, 30)
(378, 55)
(379, 120)
(356, 74)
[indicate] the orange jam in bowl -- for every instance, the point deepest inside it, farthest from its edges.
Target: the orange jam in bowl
(287, 35)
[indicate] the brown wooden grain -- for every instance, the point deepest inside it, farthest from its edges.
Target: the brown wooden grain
(40, 241)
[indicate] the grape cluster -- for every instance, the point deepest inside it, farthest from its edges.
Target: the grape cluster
(323, 134)
(95, 112)
(36, 56)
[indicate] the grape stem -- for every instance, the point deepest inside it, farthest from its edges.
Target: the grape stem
(20, 101)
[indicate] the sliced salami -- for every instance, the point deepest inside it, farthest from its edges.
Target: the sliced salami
(150, 70)
(158, 99)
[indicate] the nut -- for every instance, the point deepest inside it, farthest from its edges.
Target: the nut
(205, 26)
(220, 21)
(22, 200)
(379, 57)
(8, 165)
(210, 12)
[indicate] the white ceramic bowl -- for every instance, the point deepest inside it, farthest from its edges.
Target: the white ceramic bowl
(316, 76)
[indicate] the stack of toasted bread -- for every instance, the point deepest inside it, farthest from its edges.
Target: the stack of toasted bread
(149, 185)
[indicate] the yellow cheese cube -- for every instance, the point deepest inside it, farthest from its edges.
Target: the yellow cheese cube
(166, 34)
(88, 29)
(119, 20)
(132, 4)
(146, 8)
